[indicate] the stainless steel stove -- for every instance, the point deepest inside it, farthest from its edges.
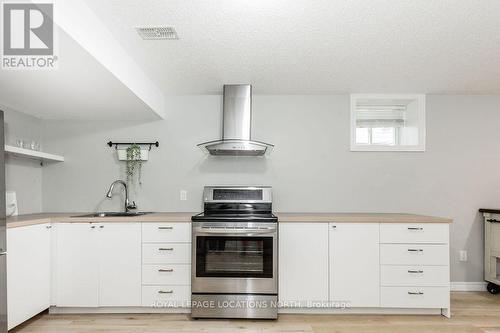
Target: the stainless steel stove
(235, 254)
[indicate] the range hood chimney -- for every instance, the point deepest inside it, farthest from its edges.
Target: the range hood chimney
(236, 128)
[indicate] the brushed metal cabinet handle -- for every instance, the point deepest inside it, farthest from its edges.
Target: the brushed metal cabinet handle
(166, 249)
(415, 250)
(416, 228)
(414, 271)
(165, 228)
(49, 227)
(92, 227)
(415, 293)
(165, 292)
(165, 270)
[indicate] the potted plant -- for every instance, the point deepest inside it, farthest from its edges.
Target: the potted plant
(134, 158)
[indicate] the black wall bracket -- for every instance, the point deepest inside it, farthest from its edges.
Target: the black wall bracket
(150, 144)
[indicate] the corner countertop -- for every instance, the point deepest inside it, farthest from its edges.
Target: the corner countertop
(42, 218)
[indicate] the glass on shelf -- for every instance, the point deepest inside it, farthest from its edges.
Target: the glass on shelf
(35, 145)
(25, 144)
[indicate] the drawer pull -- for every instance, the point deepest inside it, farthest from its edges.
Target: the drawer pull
(415, 228)
(92, 227)
(161, 270)
(414, 271)
(165, 292)
(165, 228)
(49, 227)
(166, 249)
(415, 250)
(493, 221)
(415, 293)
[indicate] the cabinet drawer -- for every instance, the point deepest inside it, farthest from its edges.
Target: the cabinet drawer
(415, 297)
(166, 296)
(437, 276)
(166, 274)
(166, 253)
(414, 233)
(166, 232)
(414, 254)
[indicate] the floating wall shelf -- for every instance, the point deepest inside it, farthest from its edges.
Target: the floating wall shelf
(37, 155)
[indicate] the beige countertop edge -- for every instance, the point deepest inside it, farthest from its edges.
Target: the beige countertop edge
(360, 218)
(33, 219)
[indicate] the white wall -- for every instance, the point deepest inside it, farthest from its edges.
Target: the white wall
(24, 176)
(311, 168)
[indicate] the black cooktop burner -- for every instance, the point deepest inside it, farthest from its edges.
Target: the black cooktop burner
(235, 217)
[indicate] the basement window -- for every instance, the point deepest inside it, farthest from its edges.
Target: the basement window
(387, 122)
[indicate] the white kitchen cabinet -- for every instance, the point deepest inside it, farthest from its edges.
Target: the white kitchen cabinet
(28, 272)
(165, 296)
(166, 253)
(415, 266)
(414, 275)
(415, 297)
(415, 233)
(98, 264)
(119, 264)
(166, 232)
(77, 276)
(354, 264)
(166, 274)
(303, 264)
(414, 254)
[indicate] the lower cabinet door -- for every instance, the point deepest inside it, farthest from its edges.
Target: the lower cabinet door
(166, 275)
(166, 296)
(77, 276)
(119, 264)
(166, 253)
(28, 272)
(414, 254)
(303, 264)
(401, 276)
(415, 297)
(354, 264)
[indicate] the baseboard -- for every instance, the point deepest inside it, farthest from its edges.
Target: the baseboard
(128, 310)
(468, 286)
(371, 311)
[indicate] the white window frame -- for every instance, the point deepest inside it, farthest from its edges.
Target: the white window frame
(420, 98)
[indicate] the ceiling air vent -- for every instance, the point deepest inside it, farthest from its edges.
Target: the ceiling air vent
(157, 32)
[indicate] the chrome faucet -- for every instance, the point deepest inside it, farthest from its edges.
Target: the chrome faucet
(127, 205)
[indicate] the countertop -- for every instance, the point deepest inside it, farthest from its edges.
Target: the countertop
(32, 219)
(360, 218)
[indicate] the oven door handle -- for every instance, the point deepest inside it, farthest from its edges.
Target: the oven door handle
(224, 231)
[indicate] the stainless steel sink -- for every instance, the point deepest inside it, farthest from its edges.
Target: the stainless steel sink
(114, 214)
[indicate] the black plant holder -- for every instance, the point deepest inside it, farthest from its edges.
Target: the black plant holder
(150, 144)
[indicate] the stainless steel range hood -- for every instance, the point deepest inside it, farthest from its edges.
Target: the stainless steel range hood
(237, 123)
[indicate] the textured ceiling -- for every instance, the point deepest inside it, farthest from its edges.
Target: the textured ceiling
(314, 46)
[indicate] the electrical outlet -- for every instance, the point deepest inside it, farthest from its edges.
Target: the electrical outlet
(463, 255)
(183, 195)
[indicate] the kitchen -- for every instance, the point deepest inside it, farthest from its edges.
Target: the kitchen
(172, 92)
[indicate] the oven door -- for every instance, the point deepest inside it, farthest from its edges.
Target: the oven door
(238, 258)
